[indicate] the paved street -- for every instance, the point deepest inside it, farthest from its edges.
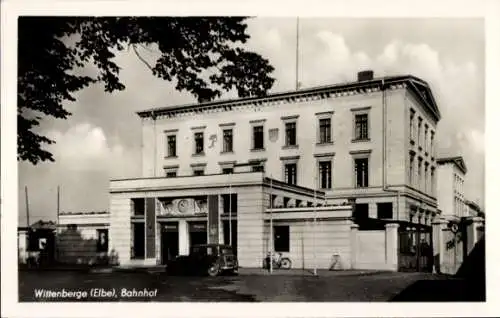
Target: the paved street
(242, 288)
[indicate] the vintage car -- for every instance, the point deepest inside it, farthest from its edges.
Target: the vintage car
(209, 259)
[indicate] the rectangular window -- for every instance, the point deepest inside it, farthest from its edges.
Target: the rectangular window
(426, 179)
(360, 211)
(102, 240)
(171, 174)
(325, 130)
(138, 206)
(384, 210)
(291, 130)
(411, 171)
(233, 204)
(412, 124)
(198, 172)
(138, 248)
(228, 140)
(172, 146)
(291, 173)
(419, 174)
(325, 174)
(426, 132)
(432, 143)
(198, 140)
(227, 170)
(419, 131)
(361, 129)
(258, 137)
(433, 185)
(258, 168)
(282, 238)
(361, 172)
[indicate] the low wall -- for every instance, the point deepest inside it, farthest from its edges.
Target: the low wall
(375, 250)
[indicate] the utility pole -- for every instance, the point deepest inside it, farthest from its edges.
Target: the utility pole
(315, 271)
(58, 203)
(27, 206)
(271, 231)
(230, 212)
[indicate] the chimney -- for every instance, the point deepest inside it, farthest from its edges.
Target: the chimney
(365, 75)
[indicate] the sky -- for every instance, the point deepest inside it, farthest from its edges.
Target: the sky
(101, 140)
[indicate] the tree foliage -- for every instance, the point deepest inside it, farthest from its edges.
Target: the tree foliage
(50, 49)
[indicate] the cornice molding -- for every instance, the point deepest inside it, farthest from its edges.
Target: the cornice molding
(305, 95)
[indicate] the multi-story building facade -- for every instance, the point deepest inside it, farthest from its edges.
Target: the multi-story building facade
(365, 139)
(372, 140)
(451, 180)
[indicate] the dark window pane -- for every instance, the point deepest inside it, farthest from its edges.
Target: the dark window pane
(361, 131)
(325, 174)
(171, 174)
(291, 173)
(172, 146)
(360, 211)
(281, 238)
(199, 172)
(361, 172)
(226, 203)
(291, 134)
(138, 206)
(198, 138)
(138, 248)
(384, 210)
(228, 140)
(325, 130)
(258, 137)
(227, 170)
(258, 168)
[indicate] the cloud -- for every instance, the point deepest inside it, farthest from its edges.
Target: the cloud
(455, 86)
(85, 147)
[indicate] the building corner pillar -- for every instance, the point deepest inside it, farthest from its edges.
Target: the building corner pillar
(391, 246)
(354, 244)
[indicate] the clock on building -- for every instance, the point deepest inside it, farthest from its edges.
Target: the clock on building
(182, 205)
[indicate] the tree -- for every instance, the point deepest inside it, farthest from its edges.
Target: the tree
(52, 49)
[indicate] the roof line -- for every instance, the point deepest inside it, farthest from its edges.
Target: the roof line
(312, 90)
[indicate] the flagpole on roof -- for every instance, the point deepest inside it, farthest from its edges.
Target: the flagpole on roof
(297, 57)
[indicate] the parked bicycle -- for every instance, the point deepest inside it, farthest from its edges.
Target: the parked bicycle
(279, 262)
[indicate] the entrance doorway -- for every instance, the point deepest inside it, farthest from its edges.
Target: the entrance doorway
(234, 234)
(169, 241)
(197, 233)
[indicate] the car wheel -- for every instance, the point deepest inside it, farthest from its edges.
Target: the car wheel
(213, 270)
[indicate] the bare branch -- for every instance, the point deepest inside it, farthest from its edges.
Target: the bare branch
(141, 58)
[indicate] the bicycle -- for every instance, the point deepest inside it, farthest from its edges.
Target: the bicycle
(279, 262)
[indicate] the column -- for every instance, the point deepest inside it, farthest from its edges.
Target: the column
(183, 238)
(391, 246)
(354, 244)
(372, 210)
(438, 244)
